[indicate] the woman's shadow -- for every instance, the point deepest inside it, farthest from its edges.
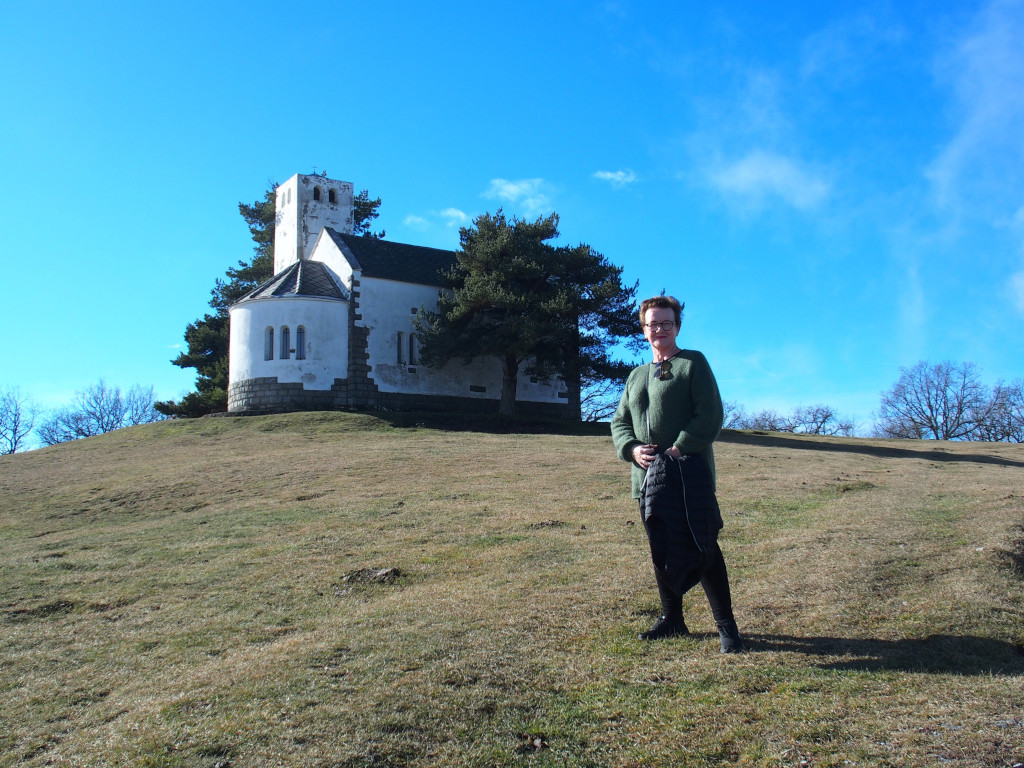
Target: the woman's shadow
(948, 654)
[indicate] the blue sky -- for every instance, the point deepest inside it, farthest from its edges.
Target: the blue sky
(835, 192)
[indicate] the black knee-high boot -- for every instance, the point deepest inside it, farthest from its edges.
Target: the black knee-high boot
(671, 601)
(670, 623)
(715, 581)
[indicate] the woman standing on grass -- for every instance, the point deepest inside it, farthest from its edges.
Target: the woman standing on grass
(669, 416)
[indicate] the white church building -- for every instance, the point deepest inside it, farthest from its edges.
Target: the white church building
(333, 328)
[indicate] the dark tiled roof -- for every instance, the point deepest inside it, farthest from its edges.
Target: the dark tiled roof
(303, 278)
(395, 261)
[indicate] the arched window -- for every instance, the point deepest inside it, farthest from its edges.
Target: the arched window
(286, 342)
(332, 196)
(300, 343)
(400, 339)
(316, 193)
(413, 358)
(268, 344)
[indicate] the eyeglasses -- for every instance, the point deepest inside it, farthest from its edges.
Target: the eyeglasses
(668, 325)
(663, 370)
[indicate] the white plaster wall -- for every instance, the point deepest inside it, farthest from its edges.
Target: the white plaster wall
(326, 252)
(387, 308)
(286, 227)
(300, 218)
(540, 391)
(319, 214)
(326, 324)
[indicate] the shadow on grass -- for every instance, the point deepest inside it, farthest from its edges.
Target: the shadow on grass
(945, 654)
(846, 445)
(491, 423)
(447, 421)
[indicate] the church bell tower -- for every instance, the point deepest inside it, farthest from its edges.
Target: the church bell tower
(305, 205)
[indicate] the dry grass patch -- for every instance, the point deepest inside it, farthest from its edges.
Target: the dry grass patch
(202, 593)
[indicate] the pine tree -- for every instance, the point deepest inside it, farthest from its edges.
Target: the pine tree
(518, 298)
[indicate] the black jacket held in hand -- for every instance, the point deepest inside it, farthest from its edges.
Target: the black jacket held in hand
(681, 494)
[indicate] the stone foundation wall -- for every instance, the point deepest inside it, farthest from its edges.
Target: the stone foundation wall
(267, 395)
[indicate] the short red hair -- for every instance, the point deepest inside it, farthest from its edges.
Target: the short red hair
(662, 302)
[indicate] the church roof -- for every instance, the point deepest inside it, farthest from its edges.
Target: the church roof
(395, 261)
(303, 278)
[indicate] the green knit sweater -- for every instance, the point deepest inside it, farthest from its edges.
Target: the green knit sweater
(684, 410)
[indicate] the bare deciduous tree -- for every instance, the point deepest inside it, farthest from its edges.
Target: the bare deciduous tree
(138, 406)
(769, 421)
(97, 409)
(734, 415)
(17, 418)
(1003, 419)
(820, 420)
(599, 400)
(804, 420)
(945, 401)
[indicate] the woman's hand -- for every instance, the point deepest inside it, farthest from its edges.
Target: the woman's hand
(643, 455)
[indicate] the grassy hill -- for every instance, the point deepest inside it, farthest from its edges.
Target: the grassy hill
(337, 590)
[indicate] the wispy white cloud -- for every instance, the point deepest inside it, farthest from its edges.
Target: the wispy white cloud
(762, 175)
(844, 50)
(454, 217)
(613, 9)
(748, 148)
(1016, 287)
(616, 178)
(450, 217)
(758, 108)
(1015, 283)
(913, 309)
(984, 157)
(526, 194)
